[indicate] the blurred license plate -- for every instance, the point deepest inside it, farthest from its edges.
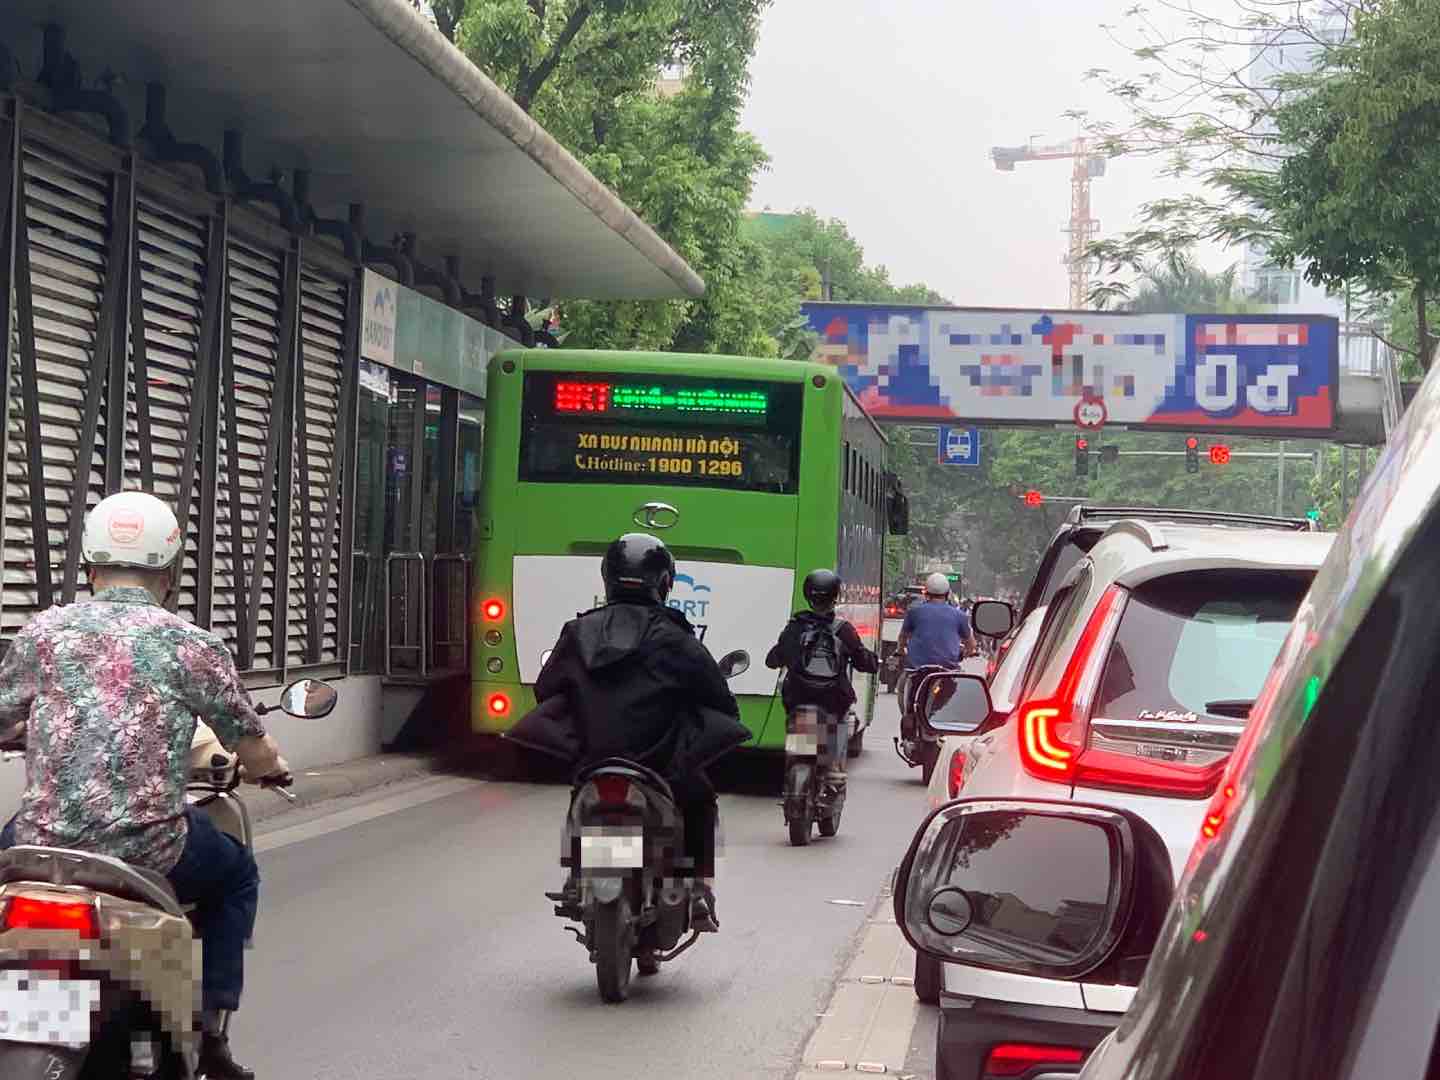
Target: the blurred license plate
(37, 1009)
(802, 742)
(613, 850)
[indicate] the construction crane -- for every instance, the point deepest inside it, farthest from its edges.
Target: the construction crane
(1083, 228)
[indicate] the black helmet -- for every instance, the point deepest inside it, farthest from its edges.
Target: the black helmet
(638, 566)
(822, 589)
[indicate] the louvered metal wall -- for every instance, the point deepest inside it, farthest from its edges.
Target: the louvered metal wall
(227, 345)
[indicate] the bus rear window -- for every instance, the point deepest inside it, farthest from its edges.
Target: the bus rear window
(587, 428)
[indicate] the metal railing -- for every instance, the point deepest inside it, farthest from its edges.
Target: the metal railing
(450, 595)
(411, 612)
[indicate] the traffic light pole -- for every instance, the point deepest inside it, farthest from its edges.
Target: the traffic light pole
(1294, 454)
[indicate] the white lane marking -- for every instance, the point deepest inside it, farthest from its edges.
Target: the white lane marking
(344, 819)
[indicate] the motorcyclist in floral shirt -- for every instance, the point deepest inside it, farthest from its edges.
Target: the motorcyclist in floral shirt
(107, 692)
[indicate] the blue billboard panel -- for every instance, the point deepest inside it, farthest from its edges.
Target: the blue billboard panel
(1265, 374)
(959, 446)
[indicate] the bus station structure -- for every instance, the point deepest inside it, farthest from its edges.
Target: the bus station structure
(254, 258)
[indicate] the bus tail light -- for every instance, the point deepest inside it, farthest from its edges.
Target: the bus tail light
(499, 704)
(493, 609)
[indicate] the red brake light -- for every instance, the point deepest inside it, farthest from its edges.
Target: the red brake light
(613, 790)
(1052, 733)
(493, 610)
(957, 773)
(30, 913)
(1016, 1059)
(499, 704)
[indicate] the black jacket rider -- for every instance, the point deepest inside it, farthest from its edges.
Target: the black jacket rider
(785, 653)
(634, 676)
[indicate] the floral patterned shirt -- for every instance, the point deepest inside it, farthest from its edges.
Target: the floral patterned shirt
(109, 690)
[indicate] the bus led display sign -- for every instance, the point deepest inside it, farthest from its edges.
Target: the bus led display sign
(656, 401)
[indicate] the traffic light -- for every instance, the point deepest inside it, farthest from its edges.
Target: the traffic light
(1082, 457)
(1032, 498)
(1192, 454)
(1219, 454)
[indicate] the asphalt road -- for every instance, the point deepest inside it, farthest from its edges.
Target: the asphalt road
(418, 943)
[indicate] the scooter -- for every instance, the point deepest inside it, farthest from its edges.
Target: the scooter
(99, 963)
(915, 745)
(809, 799)
(632, 901)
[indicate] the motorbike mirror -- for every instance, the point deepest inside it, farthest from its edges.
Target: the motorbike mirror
(953, 704)
(309, 698)
(992, 618)
(734, 663)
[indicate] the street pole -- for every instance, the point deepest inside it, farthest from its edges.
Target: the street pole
(1344, 482)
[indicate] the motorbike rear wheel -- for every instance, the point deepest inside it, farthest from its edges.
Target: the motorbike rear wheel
(829, 826)
(929, 755)
(614, 940)
(646, 964)
(799, 831)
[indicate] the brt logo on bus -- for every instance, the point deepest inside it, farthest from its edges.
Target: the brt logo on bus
(694, 607)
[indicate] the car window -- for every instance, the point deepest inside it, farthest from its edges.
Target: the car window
(1006, 680)
(1060, 617)
(1077, 546)
(1188, 642)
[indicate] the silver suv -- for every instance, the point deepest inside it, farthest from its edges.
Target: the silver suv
(1150, 655)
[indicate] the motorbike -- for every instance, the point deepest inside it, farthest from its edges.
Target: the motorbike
(622, 834)
(915, 745)
(99, 961)
(809, 799)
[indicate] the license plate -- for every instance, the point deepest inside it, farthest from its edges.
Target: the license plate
(803, 743)
(612, 850)
(37, 1009)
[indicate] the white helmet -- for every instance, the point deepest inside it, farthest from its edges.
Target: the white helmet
(132, 528)
(937, 584)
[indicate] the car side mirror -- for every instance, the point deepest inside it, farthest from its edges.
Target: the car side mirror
(992, 618)
(734, 663)
(309, 699)
(1031, 888)
(953, 704)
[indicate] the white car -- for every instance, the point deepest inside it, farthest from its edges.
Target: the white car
(1147, 661)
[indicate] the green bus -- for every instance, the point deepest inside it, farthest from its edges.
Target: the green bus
(753, 472)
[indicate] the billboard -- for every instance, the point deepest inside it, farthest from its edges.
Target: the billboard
(1258, 374)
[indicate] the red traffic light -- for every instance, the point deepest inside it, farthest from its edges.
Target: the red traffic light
(1192, 443)
(1219, 454)
(1032, 498)
(1082, 444)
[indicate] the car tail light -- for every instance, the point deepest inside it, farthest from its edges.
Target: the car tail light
(613, 790)
(1056, 742)
(498, 704)
(1016, 1059)
(34, 913)
(957, 773)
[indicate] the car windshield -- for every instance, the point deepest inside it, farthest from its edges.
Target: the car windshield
(1199, 643)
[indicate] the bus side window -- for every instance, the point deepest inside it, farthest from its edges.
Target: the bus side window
(846, 485)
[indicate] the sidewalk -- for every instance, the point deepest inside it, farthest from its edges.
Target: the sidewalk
(343, 778)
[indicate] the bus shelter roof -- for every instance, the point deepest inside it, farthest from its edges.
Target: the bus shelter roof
(382, 110)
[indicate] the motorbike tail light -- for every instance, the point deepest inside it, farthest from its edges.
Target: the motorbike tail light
(1016, 1059)
(613, 790)
(957, 773)
(35, 913)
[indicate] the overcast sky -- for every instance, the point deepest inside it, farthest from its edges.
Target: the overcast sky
(883, 112)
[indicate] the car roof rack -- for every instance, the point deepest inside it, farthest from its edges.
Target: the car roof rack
(1085, 515)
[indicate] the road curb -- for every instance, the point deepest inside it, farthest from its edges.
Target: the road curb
(346, 778)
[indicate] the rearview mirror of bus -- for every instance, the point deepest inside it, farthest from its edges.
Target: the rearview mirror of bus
(899, 513)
